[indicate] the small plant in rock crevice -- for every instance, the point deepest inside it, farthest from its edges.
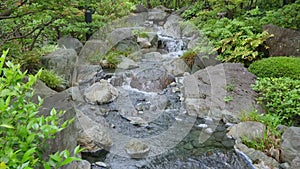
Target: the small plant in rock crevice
(51, 79)
(272, 136)
(228, 99)
(189, 57)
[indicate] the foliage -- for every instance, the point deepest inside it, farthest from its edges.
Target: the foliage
(111, 59)
(281, 97)
(271, 138)
(228, 99)
(23, 131)
(50, 78)
(277, 67)
(235, 40)
(189, 57)
(30, 24)
(287, 16)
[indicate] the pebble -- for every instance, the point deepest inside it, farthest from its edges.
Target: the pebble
(202, 125)
(101, 164)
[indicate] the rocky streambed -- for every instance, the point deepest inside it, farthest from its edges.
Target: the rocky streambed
(152, 110)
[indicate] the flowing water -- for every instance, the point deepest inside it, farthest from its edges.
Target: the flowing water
(163, 111)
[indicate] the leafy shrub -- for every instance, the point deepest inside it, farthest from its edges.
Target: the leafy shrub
(281, 97)
(50, 78)
(236, 41)
(277, 67)
(288, 16)
(23, 133)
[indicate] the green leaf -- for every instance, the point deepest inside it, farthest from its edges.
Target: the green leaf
(28, 154)
(7, 126)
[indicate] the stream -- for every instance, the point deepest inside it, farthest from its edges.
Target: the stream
(149, 111)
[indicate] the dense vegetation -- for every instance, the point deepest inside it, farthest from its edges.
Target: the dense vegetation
(23, 132)
(277, 67)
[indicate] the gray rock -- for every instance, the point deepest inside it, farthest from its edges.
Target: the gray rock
(41, 90)
(296, 162)
(67, 138)
(136, 149)
(284, 166)
(92, 135)
(126, 45)
(286, 42)
(83, 164)
(100, 92)
(176, 67)
(152, 56)
(127, 64)
(86, 73)
(250, 129)
(205, 90)
(290, 147)
(203, 60)
(70, 43)
(153, 79)
(140, 8)
(172, 26)
(143, 42)
(119, 34)
(62, 62)
(258, 156)
(93, 49)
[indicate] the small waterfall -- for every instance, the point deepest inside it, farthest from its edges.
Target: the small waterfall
(171, 45)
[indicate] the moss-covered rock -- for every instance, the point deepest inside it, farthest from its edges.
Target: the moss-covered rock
(277, 67)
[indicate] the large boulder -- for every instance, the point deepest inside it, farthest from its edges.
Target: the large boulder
(219, 91)
(92, 135)
(93, 49)
(176, 67)
(151, 79)
(250, 129)
(261, 159)
(70, 43)
(290, 146)
(67, 138)
(286, 42)
(100, 93)
(62, 62)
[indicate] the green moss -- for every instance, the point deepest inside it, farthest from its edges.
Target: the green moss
(277, 67)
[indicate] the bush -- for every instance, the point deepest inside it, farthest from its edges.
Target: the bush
(236, 41)
(50, 78)
(280, 96)
(288, 16)
(23, 133)
(277, 67)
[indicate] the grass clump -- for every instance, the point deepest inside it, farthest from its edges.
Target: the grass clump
(189, 57)
(277, 67)
(271, 138)
(51, 79)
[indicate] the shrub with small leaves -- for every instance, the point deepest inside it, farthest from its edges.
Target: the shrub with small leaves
(23, 132)
(280, 96)
(277, 67)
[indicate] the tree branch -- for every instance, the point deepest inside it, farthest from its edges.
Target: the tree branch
(29, 33)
